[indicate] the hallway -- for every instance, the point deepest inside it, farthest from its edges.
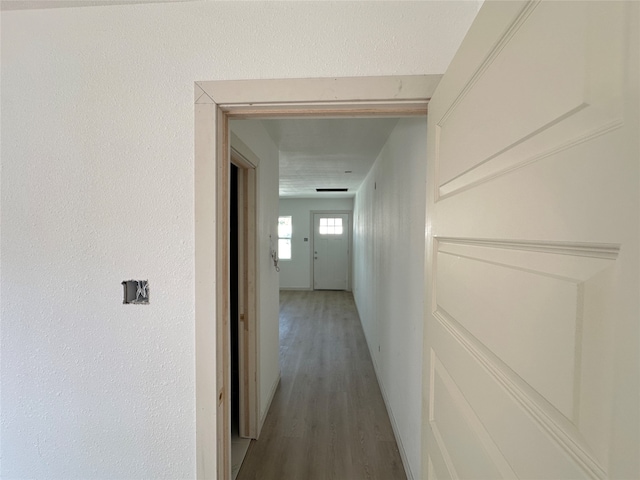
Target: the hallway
(328, 419)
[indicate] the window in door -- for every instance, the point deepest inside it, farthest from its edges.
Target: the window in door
(284, 237)
(330, 226)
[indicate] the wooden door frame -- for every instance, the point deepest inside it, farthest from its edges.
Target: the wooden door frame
(215, 103)
(349, 214)
(249, 366)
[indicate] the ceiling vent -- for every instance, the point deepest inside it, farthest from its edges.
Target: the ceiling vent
(332, 189)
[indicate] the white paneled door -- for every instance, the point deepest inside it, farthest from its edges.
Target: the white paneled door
(532, 337)
(330, 251)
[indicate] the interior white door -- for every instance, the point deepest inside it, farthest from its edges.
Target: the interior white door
(330, 251)
(532, 337)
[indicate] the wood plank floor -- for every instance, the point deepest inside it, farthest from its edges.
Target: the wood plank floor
(327, 419)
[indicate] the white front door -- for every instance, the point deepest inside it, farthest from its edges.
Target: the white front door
(531, 340)
(330, 251)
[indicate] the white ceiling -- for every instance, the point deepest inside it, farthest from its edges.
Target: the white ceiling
(317, 153)
(6, 5)
(37, 4)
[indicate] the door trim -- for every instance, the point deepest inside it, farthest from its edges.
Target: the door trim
(215, 103)
(249, 365)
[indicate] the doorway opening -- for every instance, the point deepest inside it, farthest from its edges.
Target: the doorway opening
(234, 300)
(240, 438)
(216, 103)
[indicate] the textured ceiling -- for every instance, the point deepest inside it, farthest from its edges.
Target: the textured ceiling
(317, 153)
(38, 4)
(6, 5)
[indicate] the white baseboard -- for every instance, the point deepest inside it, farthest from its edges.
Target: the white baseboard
(394, 425)
(266, 410)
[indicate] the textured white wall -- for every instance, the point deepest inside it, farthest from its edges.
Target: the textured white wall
(97, 187)
(389, 282)
(296, 273)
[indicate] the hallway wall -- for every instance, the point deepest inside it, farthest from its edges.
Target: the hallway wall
(296, 273)
(254, 136)
(97, 109)
(388, 283)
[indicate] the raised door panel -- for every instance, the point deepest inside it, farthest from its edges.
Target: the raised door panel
(547, 58)
(531, 340)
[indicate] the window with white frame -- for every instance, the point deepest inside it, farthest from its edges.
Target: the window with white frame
(284, 237)
(330, 226)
